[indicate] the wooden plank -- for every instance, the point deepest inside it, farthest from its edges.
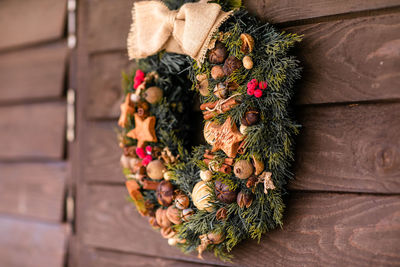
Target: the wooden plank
(338, 145)
(105, 92)
(350, 60)
(31, 244)
(31, 21)
(320, 228)
(32, 131)
(108, 24)
(33, 73)
(109, 21)
(290, 10)
(343, 62)
(33, 189)
(349, 148)
(103, 258)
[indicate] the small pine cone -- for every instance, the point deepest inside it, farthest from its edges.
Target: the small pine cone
(244, 199)
(222, 214)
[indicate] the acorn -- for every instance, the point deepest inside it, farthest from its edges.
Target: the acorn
(231, 64)
(221, 214)
(221, 91)
(162, 219)
(247, 62)
(174, 215)
(201, 196)
(243, 169)
(251, 117)
(247, 43)
(217, 72)
(165, 193)
(218, 54)
(153, 94)
(155, 169)
(244, 199)
(186, 213)
(206, 175)
(224, 193)
(181, 201)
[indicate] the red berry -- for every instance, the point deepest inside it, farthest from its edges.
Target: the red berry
(250, 91)
(258, 93)
(146, 160)
(263, 85)
(140, 152)
(139, 74)
(148, 149)
(251, 85)
(255, 82)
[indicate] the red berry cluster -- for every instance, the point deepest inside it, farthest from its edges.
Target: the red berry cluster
(145, 156)
(256, 88)
(139, 79)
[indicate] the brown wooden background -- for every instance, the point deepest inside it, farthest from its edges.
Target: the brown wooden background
(33, 166)
(344, 206)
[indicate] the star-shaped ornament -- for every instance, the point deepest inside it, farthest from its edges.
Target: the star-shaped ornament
(225, 137)
(144, 130)
(126, 109)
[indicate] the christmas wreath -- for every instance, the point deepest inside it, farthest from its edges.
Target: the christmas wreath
(229, 189)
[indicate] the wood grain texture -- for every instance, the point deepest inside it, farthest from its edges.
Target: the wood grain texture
(320, 229)
(31, 21)
(31, 244)
(33, 73)
(105, 92)
(349, 148)
(33, 189)
(350, 60)
(290, 10)
(341, 148)
(32, 131)
(101, 258)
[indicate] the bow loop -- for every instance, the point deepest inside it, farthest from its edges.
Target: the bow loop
(185, 31)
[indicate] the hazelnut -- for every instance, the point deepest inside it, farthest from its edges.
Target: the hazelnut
(206, 175)
(153, 94)
(247, 62)
(217, 72)
(174, 215)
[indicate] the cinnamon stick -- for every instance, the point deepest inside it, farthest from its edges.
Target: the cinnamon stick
(150, 185)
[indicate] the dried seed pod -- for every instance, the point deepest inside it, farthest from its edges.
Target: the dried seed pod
(206, 175)
(221, 214)
(252, 181)
(251, 117)
(231, 64)
(243, 169)
(201, 196)
(167, 232)
(247, 62)
(244, 199)
(218, 53)
(221, 91)
(201, 77)
(247, 43)
(258, 165)
(181, 201)
(155, 169)
(162, 219)
(153, 94)
(165, 193)
(203, 87)
(174, 215)
(215, 238)
(224, 193)
(217, 72)
(143, 109)
(186, 213)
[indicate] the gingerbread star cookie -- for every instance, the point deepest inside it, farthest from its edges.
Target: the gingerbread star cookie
(144, 130)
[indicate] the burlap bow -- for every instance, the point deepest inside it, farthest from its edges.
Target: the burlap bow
(185, 31)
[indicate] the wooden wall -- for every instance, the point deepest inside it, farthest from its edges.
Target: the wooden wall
(343, 208)
(33, 170)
